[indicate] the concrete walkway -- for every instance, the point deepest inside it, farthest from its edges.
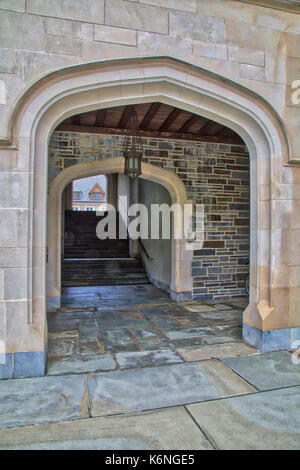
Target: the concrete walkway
(130, 369)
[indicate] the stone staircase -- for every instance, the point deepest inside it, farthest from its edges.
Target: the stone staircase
(89, 261)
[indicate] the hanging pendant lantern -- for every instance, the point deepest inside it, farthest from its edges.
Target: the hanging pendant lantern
(133, 148)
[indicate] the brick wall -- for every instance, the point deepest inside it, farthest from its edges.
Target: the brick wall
(216, 175)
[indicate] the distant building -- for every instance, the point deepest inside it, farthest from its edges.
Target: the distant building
(89, 194)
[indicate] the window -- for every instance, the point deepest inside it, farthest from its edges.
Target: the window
(96, 193)
(77, 195)
(96, 196)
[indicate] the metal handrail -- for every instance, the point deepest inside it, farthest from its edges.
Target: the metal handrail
(145, 251)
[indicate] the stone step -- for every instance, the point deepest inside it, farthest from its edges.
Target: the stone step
(94, 262)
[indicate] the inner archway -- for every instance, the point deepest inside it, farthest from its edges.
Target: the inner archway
(180, 284)
(121, 257)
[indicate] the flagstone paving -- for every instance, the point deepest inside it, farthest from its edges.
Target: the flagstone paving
(143, 319)
(42, 400)
(124, 391)
(157, 430)
(267, 371)
(266, 420)
(212, 351)
(80, 365)
(117, 352)
(133, 360)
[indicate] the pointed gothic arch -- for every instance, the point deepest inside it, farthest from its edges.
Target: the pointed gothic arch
(110, 83)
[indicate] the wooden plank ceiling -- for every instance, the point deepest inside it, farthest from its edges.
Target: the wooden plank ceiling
(155, 120)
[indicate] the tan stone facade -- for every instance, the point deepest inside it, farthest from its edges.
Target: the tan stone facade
(234, 62)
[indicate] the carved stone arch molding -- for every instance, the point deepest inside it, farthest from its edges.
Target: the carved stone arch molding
(119, 82)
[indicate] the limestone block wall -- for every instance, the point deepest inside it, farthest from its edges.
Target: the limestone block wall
(255, 46)
(215, 175)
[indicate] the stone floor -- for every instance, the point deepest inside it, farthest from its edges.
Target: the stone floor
(130, 369)
(124, 327)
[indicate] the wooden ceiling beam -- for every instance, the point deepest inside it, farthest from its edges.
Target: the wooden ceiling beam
(100, 117)
(170, 119)
(189, 123)
(223, 131)
(149, 116)
(235, 139)
(125, 117)
(75, 120)
(204, 130)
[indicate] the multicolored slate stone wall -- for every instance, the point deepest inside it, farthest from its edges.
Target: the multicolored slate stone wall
(216, 175)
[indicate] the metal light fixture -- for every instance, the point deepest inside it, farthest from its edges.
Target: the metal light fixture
(133, 148)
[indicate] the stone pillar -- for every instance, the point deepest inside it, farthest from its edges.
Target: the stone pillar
(112, 189)
(68, 194)
(22, 334)
(272, 319)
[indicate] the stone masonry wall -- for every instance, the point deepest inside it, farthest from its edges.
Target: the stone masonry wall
(254, 46)
(216, 175)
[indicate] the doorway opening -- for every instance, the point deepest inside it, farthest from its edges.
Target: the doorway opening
(88, 260)
(207, 161)
(122, 285)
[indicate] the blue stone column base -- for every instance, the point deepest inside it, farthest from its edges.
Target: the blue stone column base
(23, 364)
(6, 366)
(271, 340)
(180, 296)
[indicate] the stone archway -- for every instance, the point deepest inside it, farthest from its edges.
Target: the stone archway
(113, 83)
(181, 280)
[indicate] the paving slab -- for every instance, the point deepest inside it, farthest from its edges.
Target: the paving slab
(172, 309)
(263, 421)
(72, 315)
(194, 307)
(133, 360)
(57, 326)
(242, 302)
(266, 371)
(222, 307)
(116, 337)
(234, 331)
(163, 321)
(76, 309)
(218, 339)
(88, 331)
(152, 344)
(114, 319)
(127, 347)
(65, 343)
(155, 430)
(157, 387)
(90, 348)
(224, 316)
(185, 333)
(188, 342)
(217, 351)
(80, 365)
(82, 301)
(144, 333)
(161, 309)
(42, 400)
(192, 319)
